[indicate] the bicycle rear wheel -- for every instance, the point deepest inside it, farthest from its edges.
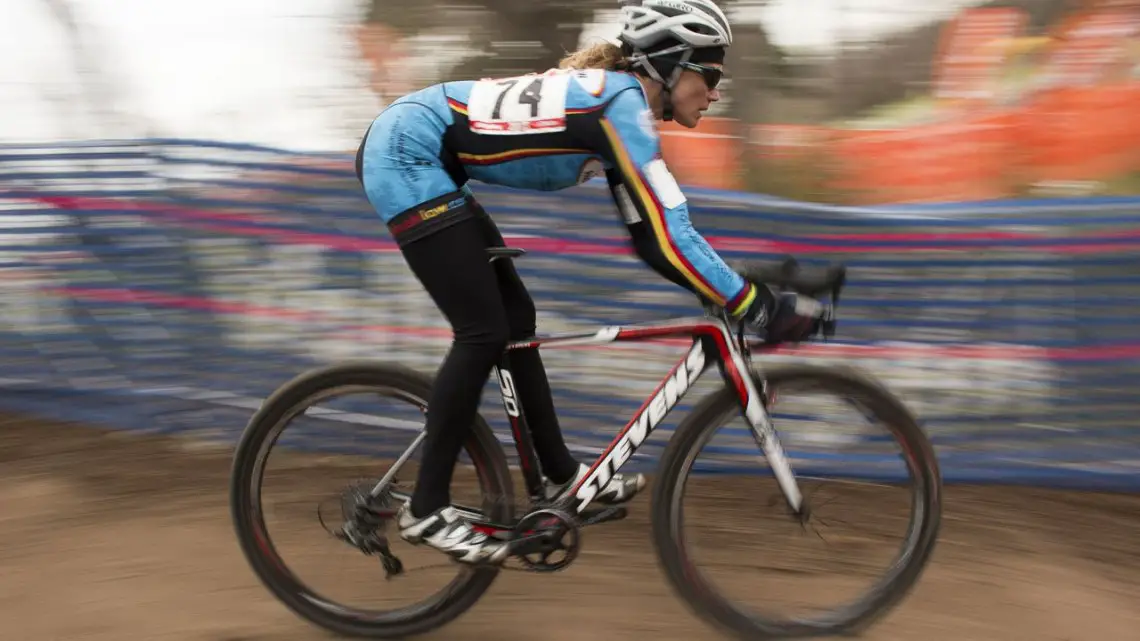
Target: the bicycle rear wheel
(291, 402)
(673, 547)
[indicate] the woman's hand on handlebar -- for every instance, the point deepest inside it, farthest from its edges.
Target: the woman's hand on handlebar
(784, 317)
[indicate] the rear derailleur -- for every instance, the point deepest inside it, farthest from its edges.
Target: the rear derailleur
(362, 527)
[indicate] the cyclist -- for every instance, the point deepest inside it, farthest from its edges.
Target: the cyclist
(594, 114)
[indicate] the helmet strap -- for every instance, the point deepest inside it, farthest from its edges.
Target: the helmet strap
(642, 60)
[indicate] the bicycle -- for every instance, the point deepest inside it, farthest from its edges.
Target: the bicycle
(546, 537)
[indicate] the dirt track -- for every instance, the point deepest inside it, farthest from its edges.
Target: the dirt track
(111, 537)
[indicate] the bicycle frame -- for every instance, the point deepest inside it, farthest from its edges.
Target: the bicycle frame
(713, 342)
(712, 337)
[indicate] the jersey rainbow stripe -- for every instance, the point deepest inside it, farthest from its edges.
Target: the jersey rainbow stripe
(741, 301)
(584, 110)
(457, 106)
(656, 214)
(515, 154)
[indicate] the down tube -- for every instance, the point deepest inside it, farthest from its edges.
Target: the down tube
(756, 412)
(663, 399)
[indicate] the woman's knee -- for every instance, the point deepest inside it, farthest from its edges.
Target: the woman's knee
(491, 331)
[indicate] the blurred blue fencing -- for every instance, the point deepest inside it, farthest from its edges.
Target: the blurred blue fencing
(167, 286)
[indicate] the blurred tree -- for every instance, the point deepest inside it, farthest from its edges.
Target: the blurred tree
(408, 19)
(869, 74)
(515, 36)
(519, 36)
(525, 36)
(522, 36)
(758, 69)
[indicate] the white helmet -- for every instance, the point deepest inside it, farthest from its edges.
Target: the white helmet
(695, 23)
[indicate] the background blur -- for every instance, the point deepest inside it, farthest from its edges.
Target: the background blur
(845, 101)
(181, 233)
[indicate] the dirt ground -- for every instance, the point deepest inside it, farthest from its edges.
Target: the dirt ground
(105, 536)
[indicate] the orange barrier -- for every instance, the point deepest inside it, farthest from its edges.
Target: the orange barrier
(1081, 133)
(784, 142)
(708, 156)
(961, 159)
(1087, 129)
(1074, 133)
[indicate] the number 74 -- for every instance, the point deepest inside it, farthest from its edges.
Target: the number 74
(531, 94)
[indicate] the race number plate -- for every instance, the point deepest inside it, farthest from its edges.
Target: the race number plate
(521, 105)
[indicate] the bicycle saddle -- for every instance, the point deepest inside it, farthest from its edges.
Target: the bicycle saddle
(505, 252)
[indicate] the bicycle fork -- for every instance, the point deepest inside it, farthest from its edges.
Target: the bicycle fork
(755, 407)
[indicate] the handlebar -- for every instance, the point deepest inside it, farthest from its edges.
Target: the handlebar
(789, 275)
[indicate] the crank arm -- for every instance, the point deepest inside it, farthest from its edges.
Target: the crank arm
(530, 544)
(603, 515)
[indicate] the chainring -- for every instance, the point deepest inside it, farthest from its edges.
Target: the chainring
(548, 540)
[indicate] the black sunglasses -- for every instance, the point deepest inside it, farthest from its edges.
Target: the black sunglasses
(712, 75)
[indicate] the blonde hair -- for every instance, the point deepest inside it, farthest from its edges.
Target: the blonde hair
(603, 55)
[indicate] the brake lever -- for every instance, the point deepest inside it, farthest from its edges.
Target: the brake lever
(828, 324)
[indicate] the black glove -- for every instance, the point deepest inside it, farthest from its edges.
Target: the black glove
(782, 317)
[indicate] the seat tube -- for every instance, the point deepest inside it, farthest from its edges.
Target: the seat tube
(520, 431)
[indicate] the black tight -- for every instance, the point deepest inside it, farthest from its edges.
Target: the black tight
(487, 306)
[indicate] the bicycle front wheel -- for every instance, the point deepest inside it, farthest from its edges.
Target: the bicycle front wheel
(728, 496)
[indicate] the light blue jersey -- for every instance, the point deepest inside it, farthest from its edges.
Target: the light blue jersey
(543, 132)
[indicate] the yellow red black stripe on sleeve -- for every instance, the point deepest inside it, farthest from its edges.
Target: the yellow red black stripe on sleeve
(655, 213)
(457, 106)
(741, 301)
